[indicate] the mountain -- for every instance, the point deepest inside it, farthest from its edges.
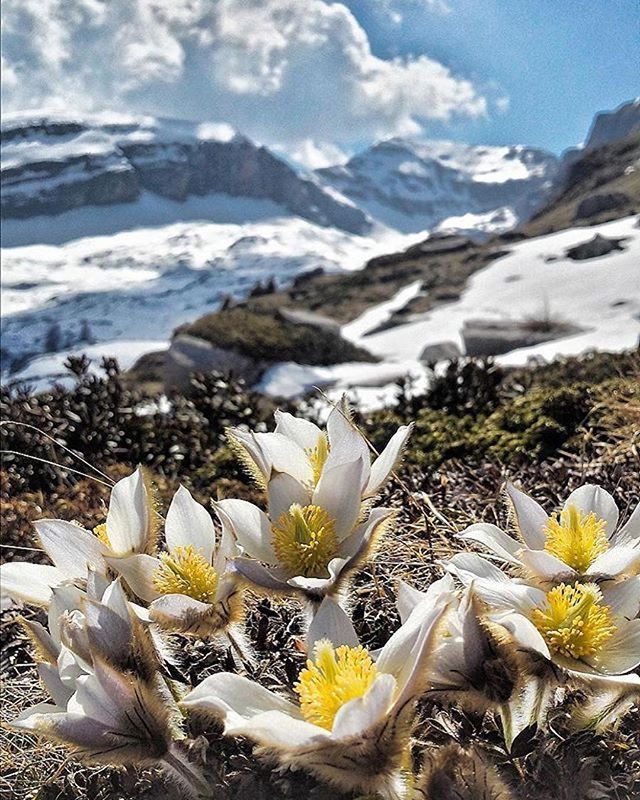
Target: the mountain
(609, 126)
(412, 185)
(52, 164)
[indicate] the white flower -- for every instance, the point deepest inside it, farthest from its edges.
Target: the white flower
(584, 629)
(311, 538)
(579, 543)
(470, 662)
(304, 451)
(188, 588)
(111, 704)
(75, 552)
(351, 722)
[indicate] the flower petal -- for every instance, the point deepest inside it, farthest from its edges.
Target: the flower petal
(251, 528)
(302, 431)
(71, 548)
(331, 622)
(408, 598)
(283, 491)
(524, 632)
(469, 566)
(338, 492)
(189, 523)
(386, 462)
(181, 611)
(622, 652)
(283, 455)
(278, 730)
(618, 560)
(258, 574)
(225, 693)
(29, 583)
(128, 518)
(591, 498)
(137, 571)
(629, 533)
(498, 542)
(362, 713)
(623, 598)
(546, 566)
(346, 443)
(509, 596)
(530, 516)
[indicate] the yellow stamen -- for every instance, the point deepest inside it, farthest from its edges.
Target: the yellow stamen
(576, 538)
(185, 571)
(318, 456)
(575, 623)
(331, 679)
(305, 540)
(101, 532)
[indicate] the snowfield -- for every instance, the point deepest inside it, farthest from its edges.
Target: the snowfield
(601, 295)
(139, 277)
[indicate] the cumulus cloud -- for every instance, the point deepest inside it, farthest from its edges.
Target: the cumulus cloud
(298, 74)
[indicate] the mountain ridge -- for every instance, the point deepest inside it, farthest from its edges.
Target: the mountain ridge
(52, 165)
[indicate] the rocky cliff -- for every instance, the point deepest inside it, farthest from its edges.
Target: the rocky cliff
(51, 165)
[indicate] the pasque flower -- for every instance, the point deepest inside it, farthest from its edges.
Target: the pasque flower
(110, 702)
(188, 586)
(581, 542)
(586, 629)
(310, 540)
(474, 661)
(304, 451)
(350, 722)
(130, 527)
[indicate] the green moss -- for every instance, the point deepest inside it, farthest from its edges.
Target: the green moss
(537, 424)
(265, 337)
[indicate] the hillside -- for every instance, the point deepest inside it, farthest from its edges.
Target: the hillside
(601, 184)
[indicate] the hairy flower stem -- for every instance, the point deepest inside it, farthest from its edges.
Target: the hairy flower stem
(176, 763)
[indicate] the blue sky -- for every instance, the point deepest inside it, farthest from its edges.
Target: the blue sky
(319, 79)
(558, 61)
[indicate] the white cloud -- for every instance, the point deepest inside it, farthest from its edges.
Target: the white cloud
(315, 155)
(296, 73)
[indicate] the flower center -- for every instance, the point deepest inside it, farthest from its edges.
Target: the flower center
(101, 532)
(185, 571)
(576, 538)
(305, 540)
(575, 623)
(318, 456)
(331, 679)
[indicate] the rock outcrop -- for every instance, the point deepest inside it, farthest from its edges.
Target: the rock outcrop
(594, 248)
(493, 337)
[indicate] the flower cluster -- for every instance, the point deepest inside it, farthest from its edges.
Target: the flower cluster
(554, 603)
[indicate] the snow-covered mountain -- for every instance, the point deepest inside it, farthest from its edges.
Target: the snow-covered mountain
(415, 185)
(55, 163)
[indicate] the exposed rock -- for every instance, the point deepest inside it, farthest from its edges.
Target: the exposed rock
(51, 166)
(597, 203)
(609, 126)
(440, 243)
(300, 316)
(594, 248)
(442, 351)
(492, 337)
(189, 354)
(414, 185)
